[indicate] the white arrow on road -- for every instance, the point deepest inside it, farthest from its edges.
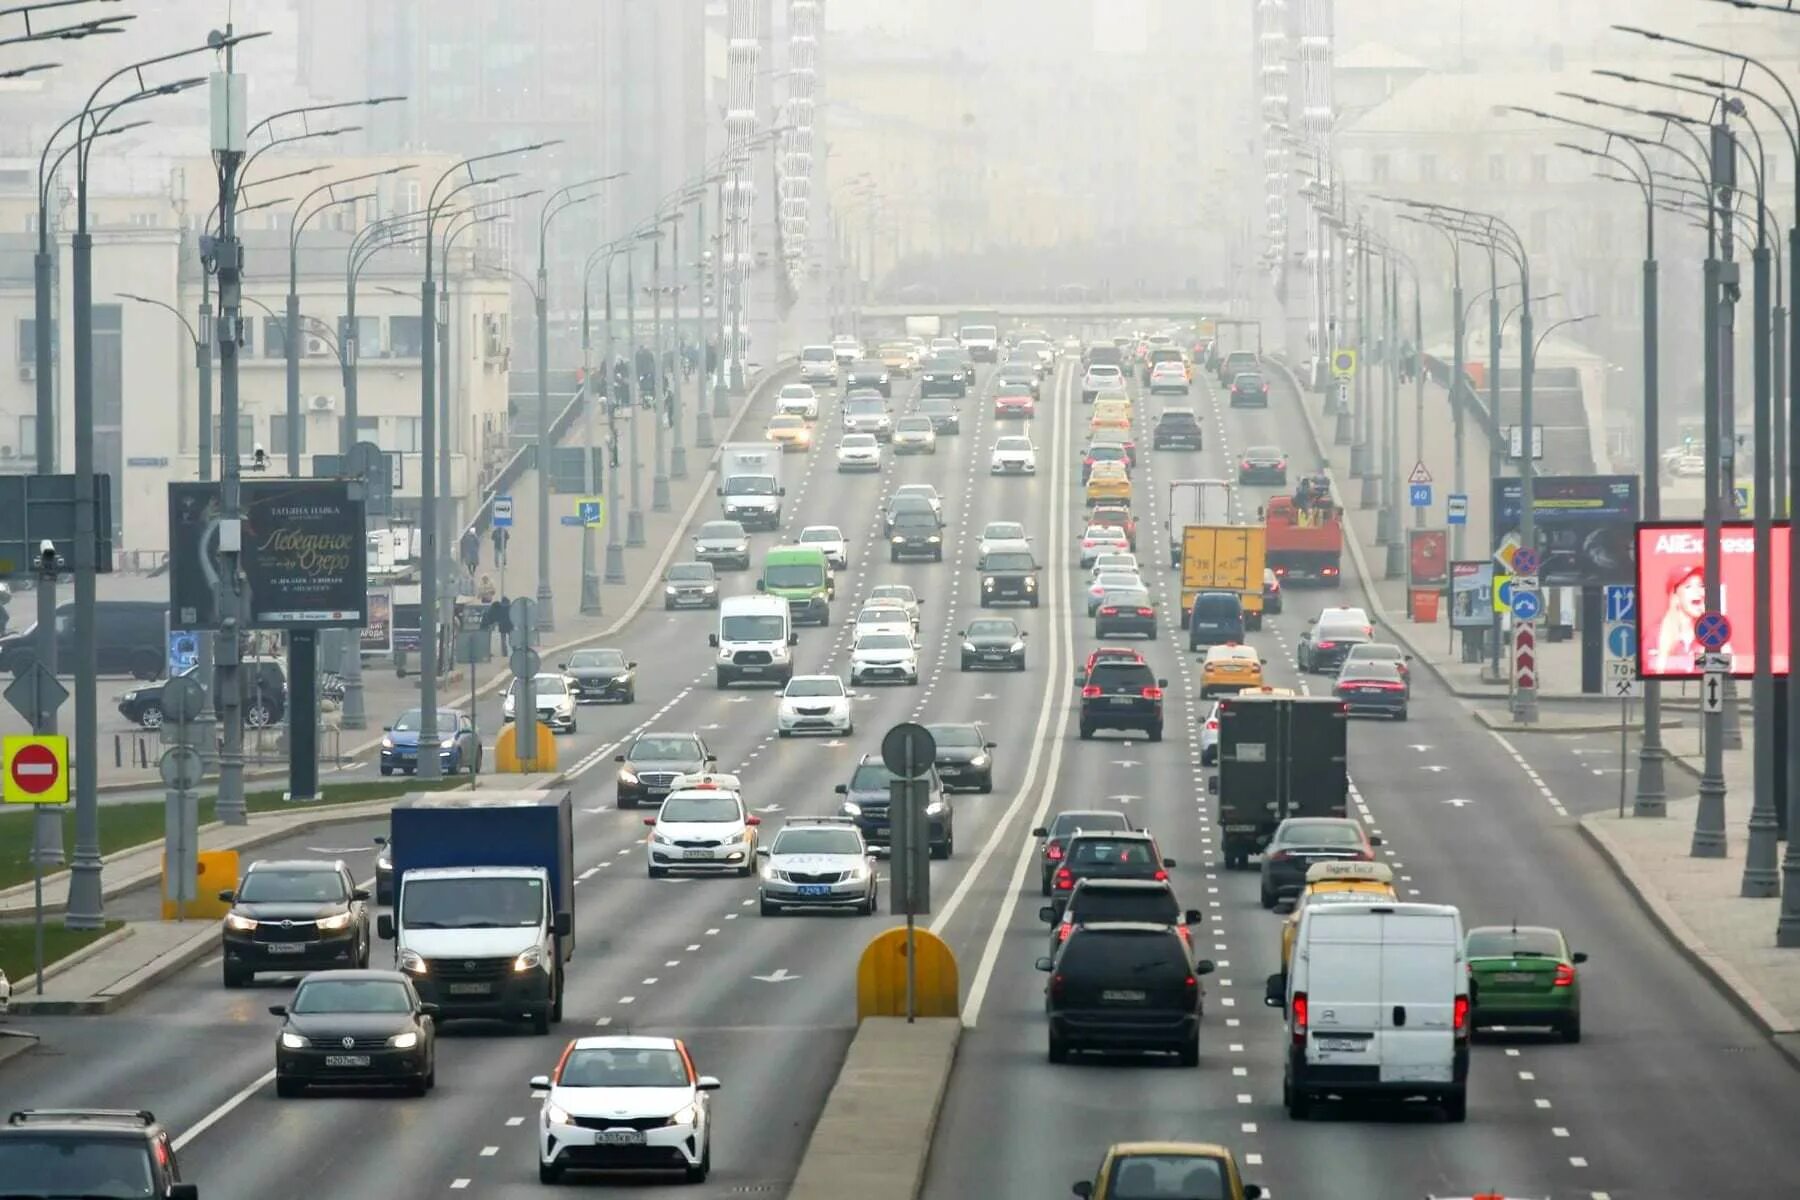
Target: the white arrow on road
(739, 700)
(1421, 749)
(834, 744)
(987, 696)
(714, 725)
(1458, 802)
(770, 808)
(1125, 762)
(1434, 768)
(780, 975)
(1125, 799)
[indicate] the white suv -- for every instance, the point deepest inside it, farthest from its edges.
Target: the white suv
(814, 704)
(644, 1088)
(1100, 377)
(889, 656)
(1013, 455)
(799, 400)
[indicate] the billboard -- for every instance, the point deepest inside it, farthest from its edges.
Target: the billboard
(193, 555)
(377, 635)
(1427, 558)
(1471, 595)
(1583, 524)
(1671, 596)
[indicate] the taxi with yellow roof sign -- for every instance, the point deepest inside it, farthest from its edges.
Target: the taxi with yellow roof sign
(1336, 882)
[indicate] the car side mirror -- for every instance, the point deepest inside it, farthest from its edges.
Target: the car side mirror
(1275, 990)
(1375, 839)
(962, 633)
(1579, 957)
(1168, 862)
(1041, 831)
(631, 666)
(842, 789)
(562, 924)
(1083, 1188)
(712, 758)
(381, 841)
(707, 1083)
(1162, 683)
(1047, 914)
(760, 586)
(384, 927)
(540, 1083)
(278, 1010)
(1193, 916)
(360, 894)
(1212, 785)
(1284, 906)
(650, 821)
(753, 820)
(781, 491)
(762, 852)
(1043, 964)
(990, 745)
(387, 729)
(1259, 512)
(1252, 1191)
(228, 896)
(1205, 966)
(562, 666)
(428, 1009)
(712, 639)
(793, 639)
(718, 491)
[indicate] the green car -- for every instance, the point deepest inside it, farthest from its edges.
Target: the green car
(1524, 976)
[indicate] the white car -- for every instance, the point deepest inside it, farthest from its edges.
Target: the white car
(797, 400)
(555, 702)
(1168, 377)
(809, 849)
(703, 828)
(1013, 456)
(1113, 560)
(5, 994)
(859, 452)
(1209, 737)
(830, 539)
(899, 595)
(996, 532)
(885, 617)
(818, 364)
(814, 704)
(914, 435)
(925, 490)
(889, 656)
(1099, 377)
(1110, 581)
(1348, 616)
(1102, 539)
(846, 349)
(619, 1101)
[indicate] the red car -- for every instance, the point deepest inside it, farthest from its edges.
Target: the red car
(1014, 400)
(1116, 514)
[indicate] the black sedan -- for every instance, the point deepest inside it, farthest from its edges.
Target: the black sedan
(1125, 610)
(1248, 389)
(1263, 464)
(601, 675)
(1299, 842)
(649, 766)
(1323, 647)
(349, 1028)
(943, 413)
(915, 535)
(993, 642)
(1372, 687)
(944, 376)
(965, 759)
(266, 684)
(868, 374)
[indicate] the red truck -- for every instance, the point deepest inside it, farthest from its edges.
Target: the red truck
(1304, 544)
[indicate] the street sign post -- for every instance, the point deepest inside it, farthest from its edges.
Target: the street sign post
(1419, 495)
(1712, 630)
(1456, 508)
(503, 512)
(1525, 561)
(1419, 473)
(1712, 692)
(36, 694)
(1526, 601)
(35, 771)
(909, 750)
(590, 511)
(1343, 363)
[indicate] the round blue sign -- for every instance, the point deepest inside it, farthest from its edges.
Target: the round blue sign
(1713, 630)
(1621, 641)
(1525, 605)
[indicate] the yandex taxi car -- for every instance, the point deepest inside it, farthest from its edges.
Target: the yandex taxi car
(1133, 1169)
(1111, 408)
(1109, 481)
(1330, 882)
(790, 432)
(1230, 667)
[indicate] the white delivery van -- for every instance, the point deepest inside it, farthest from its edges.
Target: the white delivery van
(755, 641)
(1376, 1002)
(818, 364)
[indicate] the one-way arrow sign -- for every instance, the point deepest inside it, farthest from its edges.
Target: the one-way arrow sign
(1712, 692)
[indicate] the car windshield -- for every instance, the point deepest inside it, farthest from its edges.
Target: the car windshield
(993, 629)
(798, 391)
(955, 735)
(1097, 822)
(1013, 443)
(1376, 652)
(790, 575)
(920, 491)
(1009, 560)
(817, 841)
(1121, 674)
(1106, 452)
(999, 531)
(700, 809)
(767, 627)
(871, 776)
(940, 362)
(471, 902)
(352, 996)
(409, 721)
(722, 529)
(683, 573)
(1515, 943)
(1167, 1177)
(1263, 454)
(750, 485)
(1015, 389)
(606, 659)
(292, 886)
(922, 521)
(663, 748)
(1319, 833)
(883, 616)
(822, 533)
(1127, 596)
(864, 407)
(1340, 633)
(100, 1168)
(892, 591)
(815, 685)
(619, 1067)
(543, 685)
(884, 641)
(816, 354)
(904, 502)
(1112, 904)
(1384, 672)
(859, 441)
(913, 425)
(1247, 380)
(1178, 417)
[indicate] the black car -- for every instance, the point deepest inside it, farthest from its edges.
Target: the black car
(1372, 687)
(866, 374)
(1053, 838)
(1149, 900)
(294, 915)
(131, 637)
(1106, 854)
(1177, 429)
(915, 535)
(941, 375)
(691, 585)
(601, 674)
(1236, 363)
(945, 418)
(965, 759)
(1322, 647)
(648, 767)
(1249, 389)
(1122, 695)
(1299, 842)
(346, 1028)
(915, 504)
(265, 700)
(993, 642)
(1216, 619)
(1020, 373)
(723, 545)
(1009, 575)
(866, 801)
(1263, 464)
(1125, 610)
(89, 1152)
(1124, 985)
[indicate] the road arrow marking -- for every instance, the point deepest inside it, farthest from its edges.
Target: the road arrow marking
(739, 700)
(1434, 768)
(1125, 799)
(714, 725)
(834, 744)
(1458, 802)
(780, 975)
(1421, 749)
(987, 696)
(769, 808)
(1125, 762)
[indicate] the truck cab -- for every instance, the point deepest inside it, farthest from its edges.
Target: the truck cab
(750, 488)
(800, 575)
(755, 641)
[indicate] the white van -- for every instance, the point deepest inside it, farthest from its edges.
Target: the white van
(1376, 1002)
(755, 641)
(818, 364)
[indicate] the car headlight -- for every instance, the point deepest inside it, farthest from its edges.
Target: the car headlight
(554, 1115)
(335, 922)
(934, 538)
(238, 923)
(898, 539)
(969, 646)
(412, 963)
(384, 861)
(1019, 647)
(987, 581)
(528, 959)
(979, 761)
(293, 1041)
(770, 875)
(851, 808)
(404, 1041)
(626, 775)
(711, 587)
(448, 743)
(934, 808)
(1030, 583)
(669, 590)
(387, 743)
(685, 1116)
(661, 840)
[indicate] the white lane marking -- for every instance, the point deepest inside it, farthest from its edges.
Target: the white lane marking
(490, 1151)
(457, 1185)
(220, 1113)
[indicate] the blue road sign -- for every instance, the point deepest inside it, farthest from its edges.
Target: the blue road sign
(1456, 506)
(1525, 561)
(1740, 498)
(1526, 605)
(503, 512)
(1621, 641)
(1621, 602)
(1504, 592)
(1421, 494)
(590, 511)
(571, 519)
(1712, 630)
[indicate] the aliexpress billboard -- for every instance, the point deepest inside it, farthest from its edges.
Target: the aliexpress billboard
(1671, 596)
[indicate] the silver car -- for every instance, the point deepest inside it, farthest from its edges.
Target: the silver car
(724, 544)
(914, 435)
(817, 862)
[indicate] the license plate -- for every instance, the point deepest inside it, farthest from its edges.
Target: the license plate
(815, 889)
(696, 854)
(751, 670)
(471, 989)
(1123, 996)
(618, 1137)
(346, 1060)
(286, 947)
(994, 655)
(1515, 977)
(1122, 700)
(1240, 829)
(1342, 1045)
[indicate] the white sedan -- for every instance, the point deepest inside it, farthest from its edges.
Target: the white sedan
(555, 702)
(995, 533)
(1108, 581)
(1013, 456)
(859, 452)
(702, 828)
(830, 539)
(897, 595)
(884, 618)
(1102, 539)
(1209, 737)
(798, 399)
(1114, 560)
(814, 704)
(893, 657)
(631, 1083)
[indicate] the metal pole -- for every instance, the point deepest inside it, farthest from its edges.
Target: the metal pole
(47, 839)
(546, 447)
(721, 397)
(227, 651)
(1418, 370)
(615, 553)
(634, 527)
(1459, 475)
(352, 713)
(678, 451)
(1709, 819)
(302, 667)
(1787, 927)
(1380, 452)
(1366, 391)
(203, 355)
(449, 570)
(915, 816)
(590, 578)
(703, 418)
(1494, 445)
(659, 479)
(1761, 853)
(1651, 798)
(1525, 706)
(429, 766)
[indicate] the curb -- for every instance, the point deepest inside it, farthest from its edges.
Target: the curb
(1506, 725)
(53, 969)
(1719, 972)
(204, 941)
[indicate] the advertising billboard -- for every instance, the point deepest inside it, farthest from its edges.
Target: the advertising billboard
(1428, 558)
(303, 560)
(1471, 595)
(1671, 596)
(1583, 525)
(377, 635)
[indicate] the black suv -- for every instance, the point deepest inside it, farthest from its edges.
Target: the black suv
(866, 802)
(866, 374)
(964, 756)
(915, 535)
(1249, 388)
(1024, 373)
(1150, 900)
(941, 375)
(993, 642)
(297, 914)
(648, 767)
(265, 696)
(1122, 695)
(1177, 428)
(1106, 854)
(89, 1152)
(1009, 575)
(1125, 985)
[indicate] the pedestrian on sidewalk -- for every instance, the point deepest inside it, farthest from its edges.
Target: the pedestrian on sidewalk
(499, 617)
(485, 590)
(471, 551)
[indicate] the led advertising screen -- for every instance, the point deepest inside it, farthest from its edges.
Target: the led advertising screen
(1582, 525)
(1671, 596)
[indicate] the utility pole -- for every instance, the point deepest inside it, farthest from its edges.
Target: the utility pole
(1719, 274)
(1651, 798)
(634, 523)
(659, 480)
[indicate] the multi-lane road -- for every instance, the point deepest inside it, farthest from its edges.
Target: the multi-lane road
(1672, 1093)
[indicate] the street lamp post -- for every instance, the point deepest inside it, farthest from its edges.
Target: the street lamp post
(659, 479)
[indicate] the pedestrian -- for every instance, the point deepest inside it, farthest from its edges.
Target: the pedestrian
(485, 591)
(503, 622)
(471, 551)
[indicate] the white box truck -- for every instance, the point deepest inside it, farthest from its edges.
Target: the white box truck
(1195, 502)
(750, 488)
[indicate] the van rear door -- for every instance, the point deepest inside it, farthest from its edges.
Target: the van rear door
(1343, 993)
(1420, 977)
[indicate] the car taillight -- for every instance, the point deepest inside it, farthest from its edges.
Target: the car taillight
(1090, 692)
(1056, 985)
(1109, 611)
(1565, 975)
(1146, 612)
(1460, 1016)
(1265, 389)
(1161, 875)
(1278, 856)
(1153, 693)
(1246, 464)
(1213, 724)
(1187, 936)
(1053, 851)
(1329, 571)
(1325, 646)
(1191, 983)
(1063, 931)
(1065, 879)
(1280, 571)
(1299, 1010)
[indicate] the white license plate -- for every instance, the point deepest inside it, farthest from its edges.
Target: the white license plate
(751, 670)
(1122, 700)
(1123, 996)
(696, 854)
(619, 1137)
(1343, 1045)
(286, 947)
(346, 1060)
(471, 989)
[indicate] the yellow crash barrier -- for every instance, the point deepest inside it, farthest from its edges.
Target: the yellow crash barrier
(218, 872)
(506, 753)
(881, 977)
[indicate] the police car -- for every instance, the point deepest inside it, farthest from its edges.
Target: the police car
(818, 862)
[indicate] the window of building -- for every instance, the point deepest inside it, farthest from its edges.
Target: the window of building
(1427, 168)
(246, 436)
(1496, 168)
(405, 436)
(368, 429)
(368, 335)
(404, 340)
(28, 341)
(274, 337)
(278, 434)
(27, 437)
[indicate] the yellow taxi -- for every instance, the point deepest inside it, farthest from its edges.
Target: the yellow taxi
(790, 432)
(1108, 481)
(1232, 667)
(1329, 882)
(1131, 1170)
(897, 357)
(1112, 393)
(1109, 429)
(1110, 409)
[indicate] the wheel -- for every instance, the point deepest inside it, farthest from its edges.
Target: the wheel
(850, 729)
(287, 1088)
(627, 801)
(965, 664)
(1401, 715)
(1297, 1102)
(745, 871)
(940, 850)
(938, 556)
(893, 556)
(234, 978)
(1156, 734)
(417, 1087)
(540, 1021)
(1190, 1051)
(698, 1173)
(1571, 1029)
(1266, 895)
(386, 770)
(783, 733)
(1043, 884)
(151, 717)
(1153, 635)
(362, 957)
(1058, 1050)
(549, 1173)
(987, 786)
(259, 715)
(867, 908)
(431, 1072)
(1456, 1106)
(1087, 732)
(630, 696)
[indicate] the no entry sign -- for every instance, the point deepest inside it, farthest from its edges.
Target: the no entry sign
(35, 770)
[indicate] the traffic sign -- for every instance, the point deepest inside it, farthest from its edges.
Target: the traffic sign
(1621, 640)
(1621, 602)
(181, 768)
(36, 694)
(1622, 682)
(36, 769)
(591, 511)
(1525, 604)
(1741, 497)
(1419, 473)
(182, 699)
(909, 750)
(1715, 660)
(1420, 494)
(1343, 363)
(1509, 546)
(1456, 508)
(1712, 630)
(525, 661)
(503, 512)
(1503, 593)
(1525, 561)
(1524, 656)
(1712, 692)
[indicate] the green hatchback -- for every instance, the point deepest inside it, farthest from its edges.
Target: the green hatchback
(1522, 976)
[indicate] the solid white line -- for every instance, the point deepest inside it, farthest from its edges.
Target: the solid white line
(220, 1113)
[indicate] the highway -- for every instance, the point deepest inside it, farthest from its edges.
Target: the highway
(1672, 1093)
